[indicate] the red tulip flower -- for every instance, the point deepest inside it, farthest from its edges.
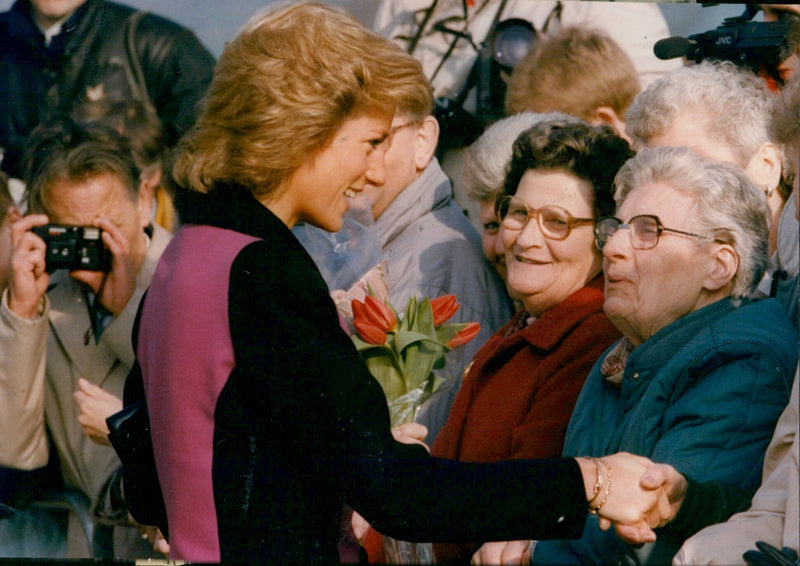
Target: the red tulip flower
(469, 332)
(372, 319)
(379, 313)
(369, 332)
(444, 308)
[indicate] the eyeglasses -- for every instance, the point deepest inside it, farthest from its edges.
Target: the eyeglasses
(555, 222)
(645, 230)
(385, 143)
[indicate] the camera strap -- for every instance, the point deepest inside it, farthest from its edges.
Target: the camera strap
(99, 316)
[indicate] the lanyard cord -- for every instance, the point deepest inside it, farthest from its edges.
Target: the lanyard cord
(95, 313)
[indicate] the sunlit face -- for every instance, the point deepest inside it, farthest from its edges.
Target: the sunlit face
(317, 191)
(401, 166)
(647, 290)
(691, 129)
(491, 242)
(80, 203)
(543, 272)
(47, 12)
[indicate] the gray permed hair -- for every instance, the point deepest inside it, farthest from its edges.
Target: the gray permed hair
(486, 160)
(729, 206)
(736, 101)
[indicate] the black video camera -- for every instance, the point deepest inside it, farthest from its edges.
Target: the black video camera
(755, 45)
(74, 248)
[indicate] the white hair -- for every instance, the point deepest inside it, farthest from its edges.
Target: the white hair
(729, 207)
(736, 102)
(486, 160)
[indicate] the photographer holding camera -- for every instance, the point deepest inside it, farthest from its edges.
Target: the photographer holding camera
(68, 332)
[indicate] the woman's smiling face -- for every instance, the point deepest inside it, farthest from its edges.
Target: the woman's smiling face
(317, 191)
(543, 272)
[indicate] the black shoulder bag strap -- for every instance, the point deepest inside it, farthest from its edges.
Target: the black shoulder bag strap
(133, 67)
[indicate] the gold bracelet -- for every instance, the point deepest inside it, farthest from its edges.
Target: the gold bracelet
(607, 491)
(598, 482)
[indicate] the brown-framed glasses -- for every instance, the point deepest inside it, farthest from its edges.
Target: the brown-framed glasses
(555, 222)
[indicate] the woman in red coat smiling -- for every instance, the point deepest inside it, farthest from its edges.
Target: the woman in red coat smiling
(518, 395)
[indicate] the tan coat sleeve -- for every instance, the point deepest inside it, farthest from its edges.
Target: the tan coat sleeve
(23, 351)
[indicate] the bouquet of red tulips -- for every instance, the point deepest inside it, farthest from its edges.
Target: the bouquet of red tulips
(402, 354)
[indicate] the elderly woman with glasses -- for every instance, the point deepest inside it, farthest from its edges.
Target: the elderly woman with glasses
(517, 396)
(702, 373)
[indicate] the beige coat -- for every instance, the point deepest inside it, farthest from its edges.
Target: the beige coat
(39, 377)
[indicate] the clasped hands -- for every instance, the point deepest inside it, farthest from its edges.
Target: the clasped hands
(642, 496)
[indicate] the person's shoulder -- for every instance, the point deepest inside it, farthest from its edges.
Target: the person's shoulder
(757, 317)
(150, 22)
(756, 328)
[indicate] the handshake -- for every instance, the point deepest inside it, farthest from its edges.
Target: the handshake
(628, 492)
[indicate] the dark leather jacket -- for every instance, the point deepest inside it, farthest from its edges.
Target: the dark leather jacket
(87, 60)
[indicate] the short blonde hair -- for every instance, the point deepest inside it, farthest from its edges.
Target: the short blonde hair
(574, 71)
(281, 89)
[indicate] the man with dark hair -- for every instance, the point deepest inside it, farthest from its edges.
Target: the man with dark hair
(57, 54)
(67, 334)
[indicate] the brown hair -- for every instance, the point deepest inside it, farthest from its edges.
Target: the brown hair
(281, 89)
(573, 71)
(67, 150)
(592, 153)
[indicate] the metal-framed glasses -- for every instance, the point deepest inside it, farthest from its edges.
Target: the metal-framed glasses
(385, 143)
(554, 222)
(644, 231)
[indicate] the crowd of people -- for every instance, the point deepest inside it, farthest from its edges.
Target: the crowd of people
(176, 372)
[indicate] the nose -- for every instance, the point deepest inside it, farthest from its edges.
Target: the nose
(530, 235)
(618, 244)
(376, 167)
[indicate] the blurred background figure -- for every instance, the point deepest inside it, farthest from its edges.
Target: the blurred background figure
(57, 55)
(578, 71)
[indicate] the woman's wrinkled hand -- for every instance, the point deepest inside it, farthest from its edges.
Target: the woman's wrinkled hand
(512, 552)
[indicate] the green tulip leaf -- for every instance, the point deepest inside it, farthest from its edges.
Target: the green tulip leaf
(384, 370)
(419, 360)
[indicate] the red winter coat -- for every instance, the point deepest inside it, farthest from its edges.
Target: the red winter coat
(517, 397)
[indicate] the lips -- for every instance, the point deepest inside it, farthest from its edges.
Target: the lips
(529, 261)
(617, 278)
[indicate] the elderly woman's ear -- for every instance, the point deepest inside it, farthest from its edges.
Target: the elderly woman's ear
(765, 168)
(722, 268)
